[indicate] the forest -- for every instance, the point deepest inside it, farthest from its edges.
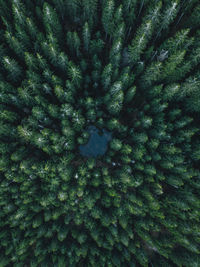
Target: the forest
(99, 133)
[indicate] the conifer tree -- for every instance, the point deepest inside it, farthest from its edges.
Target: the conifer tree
(129, 69)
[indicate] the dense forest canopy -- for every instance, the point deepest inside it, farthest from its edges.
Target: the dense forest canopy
(131, 70)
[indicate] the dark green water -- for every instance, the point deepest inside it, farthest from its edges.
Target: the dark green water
(97, 144)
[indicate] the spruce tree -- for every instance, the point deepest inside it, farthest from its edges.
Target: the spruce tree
(130, 69)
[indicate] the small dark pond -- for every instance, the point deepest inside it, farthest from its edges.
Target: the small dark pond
(97, 144)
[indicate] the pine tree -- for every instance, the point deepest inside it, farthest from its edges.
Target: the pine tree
(86, 36)
(128, 70)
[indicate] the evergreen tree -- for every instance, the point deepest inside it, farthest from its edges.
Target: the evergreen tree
(128, 70)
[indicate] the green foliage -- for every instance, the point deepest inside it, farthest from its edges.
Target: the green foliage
(116, 144)
(86, 36)
(107, 16)
(130, 67)
(73, 42)
(13, 68)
